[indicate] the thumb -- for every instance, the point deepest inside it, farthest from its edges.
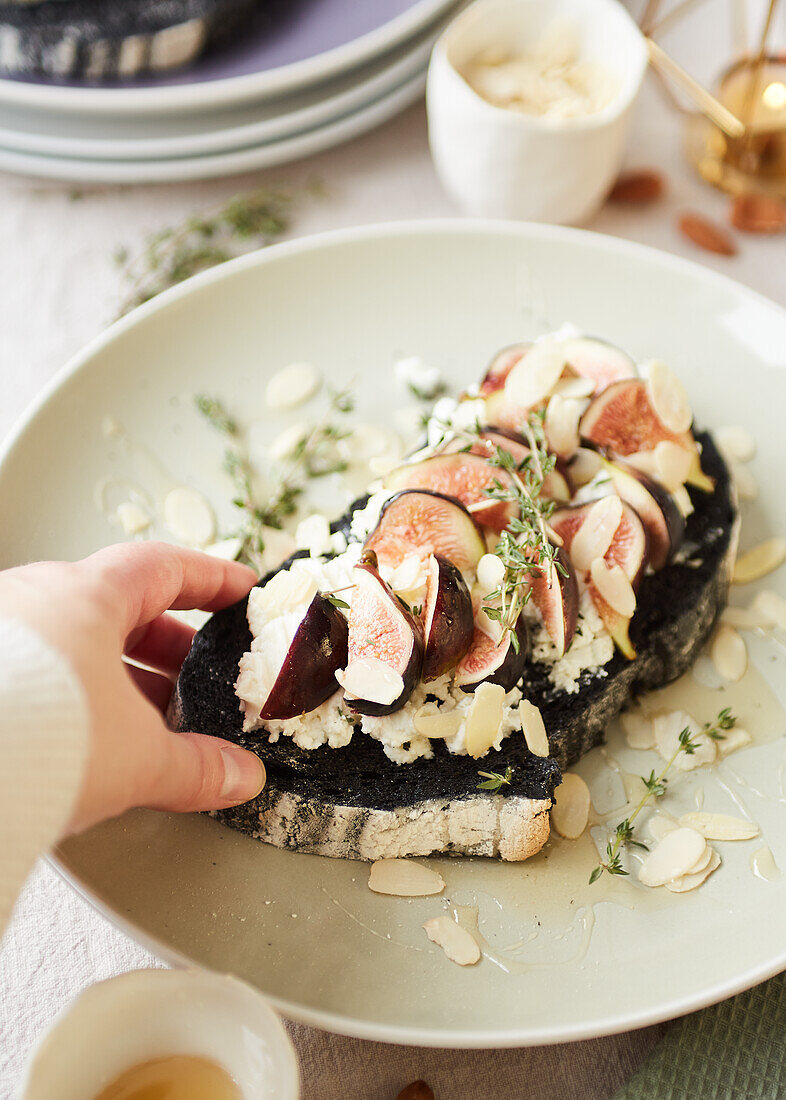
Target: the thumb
(203, 773)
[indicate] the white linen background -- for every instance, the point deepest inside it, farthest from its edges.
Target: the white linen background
(60, 288)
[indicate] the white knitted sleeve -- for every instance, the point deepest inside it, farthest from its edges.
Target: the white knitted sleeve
(44, 733)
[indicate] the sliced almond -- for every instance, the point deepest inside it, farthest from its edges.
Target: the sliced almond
(746, 618)
(683, 501)
(614, 587)
(644, 461)
(369, 678)
(672, 464)
(770, 605)
(744, 482)
(585, 465)
(484, 719)
(570, 812)
(720, 826)
(668, 398)
(576, 386)
(596, 533)
(409, 574)
(674, 856)
(687, 882)
(533, 728)
(562, 424)
(535, 375)
(436, 723)
(707, 235)
(660, 825)
(490, 573)
(735, 739)
(189, 517)
(702, 861)
(729, 653)
(667, 729)
(638, 728)
(759, 561)
(735, 442)
(292, 386)
(404, 878)
(457, 943)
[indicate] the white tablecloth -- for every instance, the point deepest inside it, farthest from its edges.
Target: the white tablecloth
(59, 288)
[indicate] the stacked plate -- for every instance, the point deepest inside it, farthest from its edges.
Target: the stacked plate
(333, 70)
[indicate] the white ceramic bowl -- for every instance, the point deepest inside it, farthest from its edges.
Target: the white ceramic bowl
(149, 1014)
(498, 163)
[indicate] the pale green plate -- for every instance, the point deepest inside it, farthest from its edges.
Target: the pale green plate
(306, 930)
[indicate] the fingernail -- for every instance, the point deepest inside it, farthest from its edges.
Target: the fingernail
(244, 775)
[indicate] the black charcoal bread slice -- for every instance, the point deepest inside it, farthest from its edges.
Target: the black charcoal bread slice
(101, 39)
(355, 803)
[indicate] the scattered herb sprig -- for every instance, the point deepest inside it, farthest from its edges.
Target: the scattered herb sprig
(654, 787)
(203, 240)
(495, 780)
(313, 456)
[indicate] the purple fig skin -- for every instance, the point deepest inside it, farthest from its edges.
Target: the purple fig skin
(308, 674)
(448, 623)
(411, 662)
(404, 527)
(559, 603)
(462, 476)
(656, 509)
(505, 670)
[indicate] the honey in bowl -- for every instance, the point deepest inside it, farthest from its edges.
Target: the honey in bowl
(178, 1077)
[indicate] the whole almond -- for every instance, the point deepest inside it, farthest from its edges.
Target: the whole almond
(637, 188)
(418, 1090)
(758, 214)
(707, 235)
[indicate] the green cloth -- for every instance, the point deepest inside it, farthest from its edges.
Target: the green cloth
(733, 1051)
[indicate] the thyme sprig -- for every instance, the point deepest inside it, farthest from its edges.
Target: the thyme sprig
(203, 240)
(494, 780)
(313, 456)
(655, 787)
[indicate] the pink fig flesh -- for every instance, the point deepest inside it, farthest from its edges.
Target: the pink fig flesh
(629, 547)
(557, 599)
(466, 477)
(307, 676)
(599, 361)
(421, 520)
(496, 662)
(621, 419)
(656, 509)
(555, 485)
(447, 618)
(382, 628)
(500, 367)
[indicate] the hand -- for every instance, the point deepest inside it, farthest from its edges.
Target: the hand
(112, 604)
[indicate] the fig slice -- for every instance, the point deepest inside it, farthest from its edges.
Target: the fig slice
(629, 543)
(500, 367)
(463, 476)
(557, 599)
(655, 507)
(429, 522)
(447, 618)
(294, 669)
(555, 484)
(385, 645)
(492, 661)
(595, 359)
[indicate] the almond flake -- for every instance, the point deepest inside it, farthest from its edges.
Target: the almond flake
(770, 605)
(614, 587)
(189, 517)
(576, 386)
(707, 235)
(720, 826)
(702, 861)
(668, 398)
(735, 442)
(638, 188)
(536, 373)
(436, 723)
(404, 878)
(746, 618)
(490, 573)
(667, 733)
(729, 653)
(687, 882)
(639, 732)
(596, 533)
(570, 812)
(457, 943)
(533, 728)
(484, 719)
(683, 501)
(674, 856)
(369, 678)
(758, 213)
(759, 561)
(672, 464)
(735, 739)
(744, 482)
(584, 465)
(660, 825)
(292, 386)
(562, 424)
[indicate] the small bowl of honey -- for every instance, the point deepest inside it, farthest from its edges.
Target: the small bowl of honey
(164, 1035)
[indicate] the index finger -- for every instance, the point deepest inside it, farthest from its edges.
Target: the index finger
(148, 578)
